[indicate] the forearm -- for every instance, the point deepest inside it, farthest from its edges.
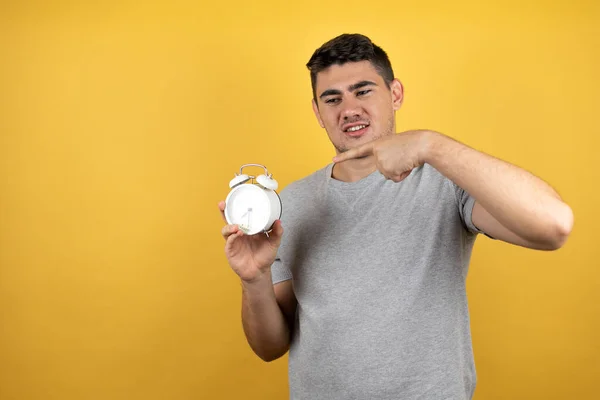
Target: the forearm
(264, 323)
(517, 199)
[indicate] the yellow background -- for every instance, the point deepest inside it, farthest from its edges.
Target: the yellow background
(121, 125)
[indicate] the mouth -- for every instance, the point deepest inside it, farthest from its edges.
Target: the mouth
(355, 130)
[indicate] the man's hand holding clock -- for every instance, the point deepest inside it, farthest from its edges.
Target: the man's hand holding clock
(250, 256)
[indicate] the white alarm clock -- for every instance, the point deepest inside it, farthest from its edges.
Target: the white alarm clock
(253, 203)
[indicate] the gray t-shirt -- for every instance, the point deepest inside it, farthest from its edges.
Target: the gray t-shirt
(378, 269)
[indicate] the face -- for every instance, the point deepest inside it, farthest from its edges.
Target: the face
(354, 105)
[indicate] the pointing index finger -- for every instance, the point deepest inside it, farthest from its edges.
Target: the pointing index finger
(360, 151)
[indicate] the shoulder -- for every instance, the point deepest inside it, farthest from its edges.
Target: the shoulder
(429, 172)
(300, 198)
(439, 183)
(308, 185)
(428, 180)
(429, 176)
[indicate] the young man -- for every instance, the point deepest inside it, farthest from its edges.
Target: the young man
(366, 288)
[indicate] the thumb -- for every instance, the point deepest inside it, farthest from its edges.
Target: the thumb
(276, 233)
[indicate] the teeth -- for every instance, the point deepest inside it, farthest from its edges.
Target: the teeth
(356, 128)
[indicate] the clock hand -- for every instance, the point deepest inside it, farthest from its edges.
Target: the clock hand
(245, 227)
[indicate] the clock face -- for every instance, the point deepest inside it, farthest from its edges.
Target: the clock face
(248, 206)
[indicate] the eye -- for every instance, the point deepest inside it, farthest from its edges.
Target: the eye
(363, 92)
(332, 100)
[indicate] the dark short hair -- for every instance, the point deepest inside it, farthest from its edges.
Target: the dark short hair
(349, 48)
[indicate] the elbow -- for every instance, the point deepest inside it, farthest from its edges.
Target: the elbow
(560, 228)
(269, 352)
(272, 355)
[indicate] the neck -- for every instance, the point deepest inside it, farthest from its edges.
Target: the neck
(354, 170)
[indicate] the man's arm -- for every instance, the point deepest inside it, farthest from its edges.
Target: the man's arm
(267, 309)
(268, 315)
(511, 204)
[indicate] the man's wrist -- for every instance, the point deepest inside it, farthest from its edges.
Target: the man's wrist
(431, 143)
(261, 281)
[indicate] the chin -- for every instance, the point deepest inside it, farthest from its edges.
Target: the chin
(348, 142)
(355, 141)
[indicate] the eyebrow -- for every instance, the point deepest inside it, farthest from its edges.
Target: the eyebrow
(351, 88)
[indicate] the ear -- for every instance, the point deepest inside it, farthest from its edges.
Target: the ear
(397, 93)
(317, 113)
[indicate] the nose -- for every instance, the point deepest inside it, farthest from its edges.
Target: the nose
(351, 108)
